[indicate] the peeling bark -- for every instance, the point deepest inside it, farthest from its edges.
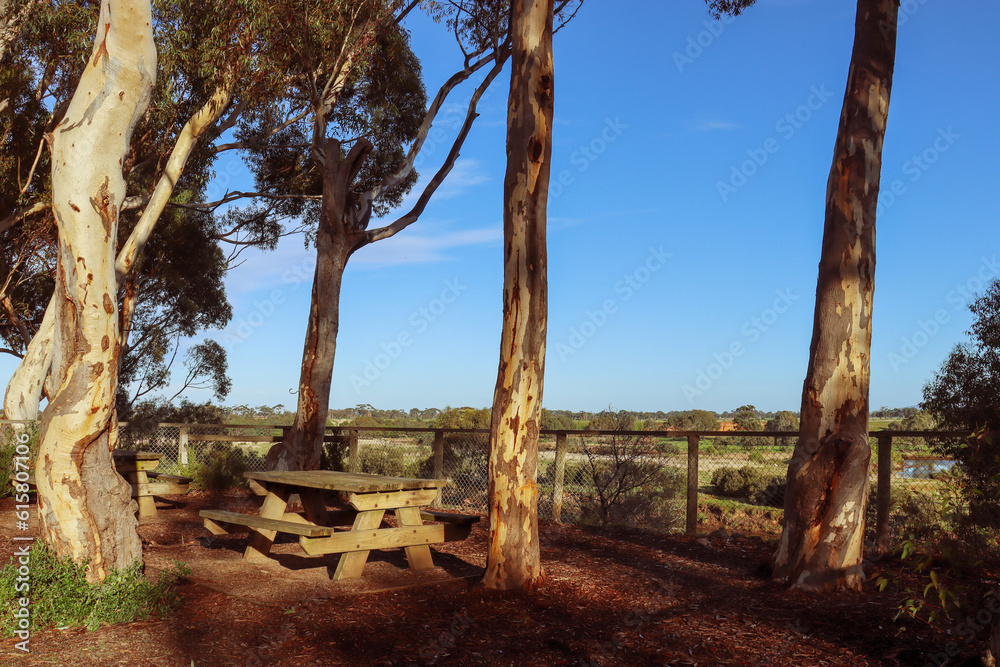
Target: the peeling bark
(827, 482)
(85, 508)
(336, 238)
(513, 558)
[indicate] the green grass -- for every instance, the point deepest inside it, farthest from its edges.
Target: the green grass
(60, 595)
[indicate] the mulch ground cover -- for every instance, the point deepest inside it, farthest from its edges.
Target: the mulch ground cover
(611, 597)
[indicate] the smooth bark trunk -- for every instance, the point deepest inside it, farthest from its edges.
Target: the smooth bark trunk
(513, 558)
(85, 508)
(827, 482)
(31, 380)
(27, 385)
(187, 140)
(336, 238)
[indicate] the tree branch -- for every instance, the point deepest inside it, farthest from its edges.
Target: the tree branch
(414, 213)
(395, 179)
(20, 214)
(186, 140)
(238, 194)
(22, 328)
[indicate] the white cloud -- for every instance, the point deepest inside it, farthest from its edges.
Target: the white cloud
(713, 124)
(467, 173)
(424, 245)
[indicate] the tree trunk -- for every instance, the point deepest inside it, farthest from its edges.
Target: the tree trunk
(513, 559)
(336, 239)
(827, 486)
(85, 508)
(26, 386)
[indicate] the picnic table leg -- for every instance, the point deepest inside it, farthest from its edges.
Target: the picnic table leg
(147, 504)
(315, 506)
(418, 556)
(352, 564)
(275, 502)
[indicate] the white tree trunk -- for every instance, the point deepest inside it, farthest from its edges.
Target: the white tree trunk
(85, 508)
(26, 386)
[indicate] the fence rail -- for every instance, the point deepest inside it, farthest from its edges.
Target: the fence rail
(655, 478)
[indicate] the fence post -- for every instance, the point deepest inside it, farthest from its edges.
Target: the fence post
(560, 477)
(182, 446)
(352, 450)
(692, 484)
(438, 451)
(884, 493)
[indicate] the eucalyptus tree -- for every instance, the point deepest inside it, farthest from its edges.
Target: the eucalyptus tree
(513, 558)
(176, 289)
(84, 508)
(95, 158)
(827, 487)
(340, 146)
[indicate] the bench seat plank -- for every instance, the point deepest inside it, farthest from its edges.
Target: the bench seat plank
(260, 523)
(461, 519)
(457, 527)
(392, 499)
(366, 540)
(158, 489)
(164, 477)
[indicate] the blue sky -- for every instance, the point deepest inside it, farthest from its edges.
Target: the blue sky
(690, 162)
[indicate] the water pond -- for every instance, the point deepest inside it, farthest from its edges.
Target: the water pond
(924, 468)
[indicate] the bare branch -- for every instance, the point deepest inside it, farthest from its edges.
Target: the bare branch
(406, 10)
(561, 6)
(393, 180)
(191, 132)
(31, 172)
(20, 214)
(414, 213)
(22, 328)
(238, 194)
(239, 145)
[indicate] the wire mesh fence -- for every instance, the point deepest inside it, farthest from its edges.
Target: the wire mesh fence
(634, 478)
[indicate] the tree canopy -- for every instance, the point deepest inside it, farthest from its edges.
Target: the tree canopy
(962, 395)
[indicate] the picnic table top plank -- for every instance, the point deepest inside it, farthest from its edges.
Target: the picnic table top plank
(134, 455)
(345, 481)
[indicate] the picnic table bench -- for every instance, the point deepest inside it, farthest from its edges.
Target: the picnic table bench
(369, 497)
(137, 469)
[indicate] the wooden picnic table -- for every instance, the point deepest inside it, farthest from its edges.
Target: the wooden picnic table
(137, 469)
(369, 498)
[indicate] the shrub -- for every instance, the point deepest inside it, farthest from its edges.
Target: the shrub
(626, 481)
(383, 461)
(221, 466)
(668, 448)
(60, 594)
(334, 454)
(758, 486)
(653, 504)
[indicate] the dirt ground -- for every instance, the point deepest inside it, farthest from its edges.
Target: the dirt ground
(610, 598)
